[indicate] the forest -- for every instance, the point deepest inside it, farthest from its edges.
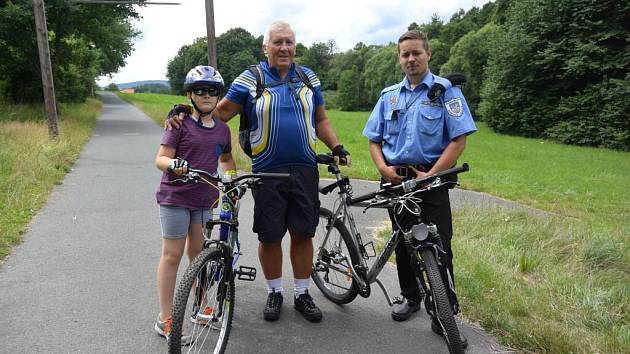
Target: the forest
(555, 70)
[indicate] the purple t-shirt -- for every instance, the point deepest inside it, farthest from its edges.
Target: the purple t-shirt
(201, 147)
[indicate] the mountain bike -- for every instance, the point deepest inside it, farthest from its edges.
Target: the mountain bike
(205, 294)
(340, 266)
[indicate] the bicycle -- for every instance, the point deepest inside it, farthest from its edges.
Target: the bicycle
(209, 279)
(340, 268)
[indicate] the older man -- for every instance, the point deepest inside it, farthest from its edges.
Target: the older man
(285, 122)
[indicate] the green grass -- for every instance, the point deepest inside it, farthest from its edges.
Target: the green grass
(154, 105)
(32, 164)
(529, 279)
(555, 284)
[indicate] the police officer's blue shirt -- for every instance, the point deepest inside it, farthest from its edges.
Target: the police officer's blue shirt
(413, 129)
(282, 121)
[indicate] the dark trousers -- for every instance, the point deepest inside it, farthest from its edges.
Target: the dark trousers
(435, 208)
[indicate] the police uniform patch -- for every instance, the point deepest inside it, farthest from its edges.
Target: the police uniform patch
(455, 107)
(393, 100)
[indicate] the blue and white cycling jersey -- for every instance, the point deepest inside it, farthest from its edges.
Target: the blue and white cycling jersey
(282, 121)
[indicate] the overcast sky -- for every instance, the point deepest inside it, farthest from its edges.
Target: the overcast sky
(166, 28)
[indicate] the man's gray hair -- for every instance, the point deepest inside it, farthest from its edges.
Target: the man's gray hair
(275, 26)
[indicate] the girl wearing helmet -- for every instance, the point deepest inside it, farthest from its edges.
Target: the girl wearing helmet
(202, 142)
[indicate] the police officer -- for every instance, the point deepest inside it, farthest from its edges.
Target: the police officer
(414, 134)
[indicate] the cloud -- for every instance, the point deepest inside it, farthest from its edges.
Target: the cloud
(166, 28)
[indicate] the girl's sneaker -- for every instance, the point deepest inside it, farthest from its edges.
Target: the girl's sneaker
(203, 317)
(163, 328)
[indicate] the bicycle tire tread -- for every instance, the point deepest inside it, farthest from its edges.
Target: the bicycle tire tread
(183, 293)
(441, 301)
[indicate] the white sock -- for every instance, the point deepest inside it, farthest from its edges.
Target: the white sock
(301, 286)
(274, 285)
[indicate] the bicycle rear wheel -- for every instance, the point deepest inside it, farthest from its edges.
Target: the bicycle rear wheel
(442, 306)
(205, 295)
(332, 272)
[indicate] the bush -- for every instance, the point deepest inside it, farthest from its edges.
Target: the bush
(331, 99)
(596, 117)
(560, 70)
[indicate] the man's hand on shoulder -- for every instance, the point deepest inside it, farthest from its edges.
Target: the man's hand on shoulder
(176, 116)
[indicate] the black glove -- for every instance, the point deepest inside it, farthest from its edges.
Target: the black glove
(341, 153)
(177, 163)
(438, 90)
(179, 108)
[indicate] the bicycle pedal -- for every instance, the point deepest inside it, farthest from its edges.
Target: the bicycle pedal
(246, 273)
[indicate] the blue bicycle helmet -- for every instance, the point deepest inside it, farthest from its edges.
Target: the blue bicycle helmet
(203, 76)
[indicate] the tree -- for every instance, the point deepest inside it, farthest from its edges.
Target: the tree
(112, 87)
(153, 88)
(470, 55)
(561, 71)
(86, 41)
(236, 50)
(381, 70)
(413, 26)
(350, 89)
(187, 58)
(318, 58)
(433, 28)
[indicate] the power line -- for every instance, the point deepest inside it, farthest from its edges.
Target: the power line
(130, 2)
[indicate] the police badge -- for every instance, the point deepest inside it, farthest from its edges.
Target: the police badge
(455, 107)
(393, 100)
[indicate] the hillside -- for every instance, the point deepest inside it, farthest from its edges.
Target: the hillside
(140, 83)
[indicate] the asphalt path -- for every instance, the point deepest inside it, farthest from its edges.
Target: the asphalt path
(84, 279)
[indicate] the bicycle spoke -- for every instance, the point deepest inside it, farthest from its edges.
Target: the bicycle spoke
(205, 290)
(332, 270)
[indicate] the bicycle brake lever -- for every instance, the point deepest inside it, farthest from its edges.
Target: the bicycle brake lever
(375, 203)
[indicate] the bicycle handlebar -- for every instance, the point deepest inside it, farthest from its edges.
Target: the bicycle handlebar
(409, 185)
(327, 159)
(193, 174)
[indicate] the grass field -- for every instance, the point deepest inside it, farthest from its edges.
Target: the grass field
(555, 284)
(32, 164)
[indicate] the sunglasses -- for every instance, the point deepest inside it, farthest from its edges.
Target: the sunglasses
(211, 91)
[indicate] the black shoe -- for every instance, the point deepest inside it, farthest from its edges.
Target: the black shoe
(305, 305)
(273, 306)
(403, 308)
(437, 329)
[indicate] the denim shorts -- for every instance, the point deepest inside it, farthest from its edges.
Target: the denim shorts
(175, 221)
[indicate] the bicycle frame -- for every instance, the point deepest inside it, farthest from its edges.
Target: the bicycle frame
(231, 247)
(362, 273)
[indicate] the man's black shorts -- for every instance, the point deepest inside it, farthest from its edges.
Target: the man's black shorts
(292, 203)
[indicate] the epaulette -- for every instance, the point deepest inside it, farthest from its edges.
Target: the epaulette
(390, 88)
(442, 81)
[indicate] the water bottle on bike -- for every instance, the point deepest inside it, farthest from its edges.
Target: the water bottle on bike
(225, 214)
(226, 207)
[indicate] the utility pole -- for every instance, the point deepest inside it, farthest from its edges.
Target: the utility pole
(212, 45)
(46, 68)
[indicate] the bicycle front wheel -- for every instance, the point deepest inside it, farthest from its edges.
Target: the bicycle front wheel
(332, 272)
(204, 305)
(442, 306)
